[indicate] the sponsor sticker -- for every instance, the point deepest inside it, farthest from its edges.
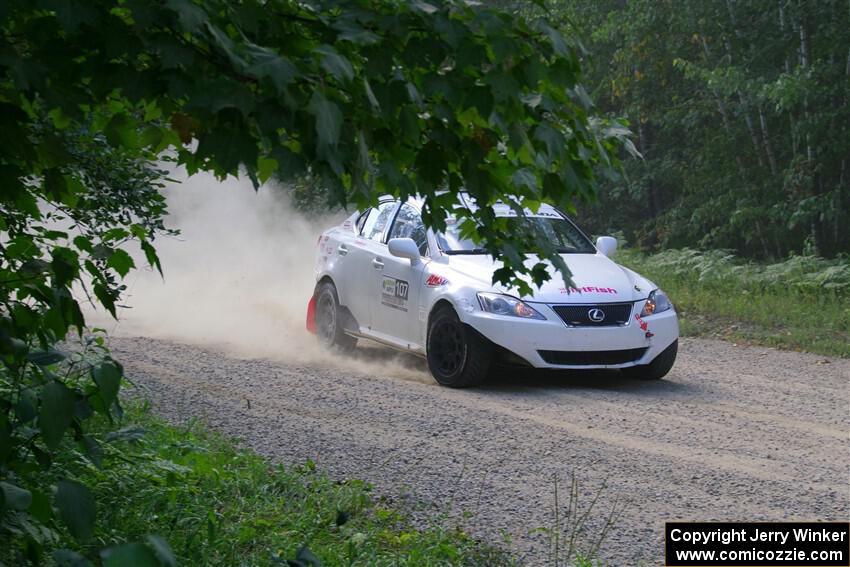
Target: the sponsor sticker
(641, 322)
(643, 326)
(435, 281)
(394, 293)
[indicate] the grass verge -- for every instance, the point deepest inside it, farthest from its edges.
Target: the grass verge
(216, 504)
(800, 304)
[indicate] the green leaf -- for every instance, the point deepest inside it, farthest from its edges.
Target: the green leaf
(57, 411)
(45, 357)
(65, 265)
(83, 243)
(107, 376)
(68, 558)
(135, 554)
(552, 139)
(41, 508)
(5, 437)
(150, 254)
(76, 508)
(307, 557)
(71, 14)
(26, 408)
(334, 63)
(423, 7)
(129, 434)
(138, 231)
(559, 45)
(162, 550)
(524, 178)
(265, 168)
(351, 31)
(14, 497)
(121, 262)
(370, 95)
(55, 185)
(115, 234)
(120, 131)
(266, 64)
(328, 119)
(191, 16)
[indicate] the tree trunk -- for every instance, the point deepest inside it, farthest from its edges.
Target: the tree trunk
(768, 148)
(745, 104)
(754, 137)
(816, 224)
(721, 107)
(643, 143)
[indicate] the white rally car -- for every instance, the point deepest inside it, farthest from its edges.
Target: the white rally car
(382, 275)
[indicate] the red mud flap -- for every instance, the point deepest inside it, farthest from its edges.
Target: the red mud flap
(311, 315)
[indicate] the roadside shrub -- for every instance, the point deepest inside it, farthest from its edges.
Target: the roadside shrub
(221, 505)
(804, 274)
(801, 303)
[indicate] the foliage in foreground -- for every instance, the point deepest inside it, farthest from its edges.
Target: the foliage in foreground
(220, 505)
(802, 303)
(368, 98)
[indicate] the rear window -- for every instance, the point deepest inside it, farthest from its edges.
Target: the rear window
(377, 221)
(361, 220)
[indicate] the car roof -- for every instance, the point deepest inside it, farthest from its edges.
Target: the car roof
(465, 200)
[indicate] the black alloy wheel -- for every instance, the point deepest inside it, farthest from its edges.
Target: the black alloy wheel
(458, 356)
(329, 329)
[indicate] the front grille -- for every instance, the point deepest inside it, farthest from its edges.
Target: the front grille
(591, 357)
(588, 315)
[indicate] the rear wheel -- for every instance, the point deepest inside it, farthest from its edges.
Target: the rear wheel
(328, 322)
(658, 368)
(458, 357)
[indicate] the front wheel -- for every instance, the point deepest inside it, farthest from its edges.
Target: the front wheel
(658, 368)
(328, 324)
(458, 357)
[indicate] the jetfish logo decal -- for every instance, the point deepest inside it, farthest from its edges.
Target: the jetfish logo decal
(435, 281)
(588, 289)
(394, 293)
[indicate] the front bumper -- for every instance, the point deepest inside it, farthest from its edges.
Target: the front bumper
(554, 344)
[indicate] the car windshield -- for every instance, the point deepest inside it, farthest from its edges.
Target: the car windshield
(562, 233)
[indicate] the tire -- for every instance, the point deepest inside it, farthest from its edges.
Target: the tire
(328, 321)
(458, 357)
(658, 368)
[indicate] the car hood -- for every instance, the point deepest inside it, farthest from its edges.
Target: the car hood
(596, 277)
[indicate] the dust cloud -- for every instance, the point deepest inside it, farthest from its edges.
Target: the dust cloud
(238, 279)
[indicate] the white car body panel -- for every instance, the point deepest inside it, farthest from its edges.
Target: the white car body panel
(390, 299)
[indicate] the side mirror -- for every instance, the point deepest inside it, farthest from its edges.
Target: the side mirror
(404, 248)
(606, 245)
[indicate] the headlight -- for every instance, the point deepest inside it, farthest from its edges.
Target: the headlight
(499, 304)
(656, 303)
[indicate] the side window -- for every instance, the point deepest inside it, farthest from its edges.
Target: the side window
(378, 220)
(408, 224)
(361, 220)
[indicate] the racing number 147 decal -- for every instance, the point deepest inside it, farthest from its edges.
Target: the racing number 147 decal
(394, 293)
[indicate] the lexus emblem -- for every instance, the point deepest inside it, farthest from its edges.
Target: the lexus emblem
(596, 315)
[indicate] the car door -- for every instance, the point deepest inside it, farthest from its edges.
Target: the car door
(361, 253)
(395, 313)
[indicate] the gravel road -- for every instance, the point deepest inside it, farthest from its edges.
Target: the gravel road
(733, 433)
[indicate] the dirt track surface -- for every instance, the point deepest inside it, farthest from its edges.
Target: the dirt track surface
(733, 433)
